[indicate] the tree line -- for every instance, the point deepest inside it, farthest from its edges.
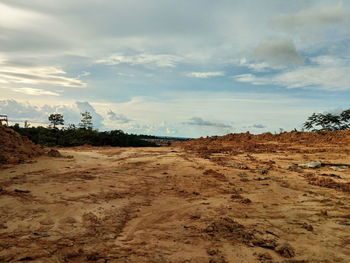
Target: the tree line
(82, 134)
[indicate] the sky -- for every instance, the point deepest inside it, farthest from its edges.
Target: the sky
(184, 68)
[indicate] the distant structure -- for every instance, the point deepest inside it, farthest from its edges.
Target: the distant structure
(3, 120)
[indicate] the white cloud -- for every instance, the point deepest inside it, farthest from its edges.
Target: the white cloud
(31, 74)
(249, 78)
(157, 60)
(255, 66)
(83, 74)
(329, 61)
(35, 92)
(325, 78)
(205, 75)
(128, 75)
(311, 18)
(326, 73)
(119, 118)
(19, 111)
(20, 18)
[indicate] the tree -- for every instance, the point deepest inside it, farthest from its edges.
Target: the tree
(86, 121)
(328, 121)
(56, 119)
(26, 124)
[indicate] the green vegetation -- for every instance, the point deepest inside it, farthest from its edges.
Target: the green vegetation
(67, 137)
(85, 134)
(328, 121)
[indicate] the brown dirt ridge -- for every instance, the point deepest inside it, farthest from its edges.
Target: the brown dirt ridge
(15, 148)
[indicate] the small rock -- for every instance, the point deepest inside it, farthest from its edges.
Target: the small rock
(337, 169)
(245, 201)
(285, 250)
(307, 227)
(263, 171)
(285, 184)
(54, 153)
(264, 256)
(217, 259)
(311, 165)
(212, 251)
(324, 212)
(47, 221)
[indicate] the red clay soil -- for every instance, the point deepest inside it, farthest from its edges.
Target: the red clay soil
(15, 148)
(266, 142)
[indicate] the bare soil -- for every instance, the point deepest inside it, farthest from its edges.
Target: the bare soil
(211, 201)
(15, 148)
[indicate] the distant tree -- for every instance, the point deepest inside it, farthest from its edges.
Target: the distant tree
(26, 124)
(345, 119)
(71, 127)
(86, 121)
(328, 121)
(56, 119)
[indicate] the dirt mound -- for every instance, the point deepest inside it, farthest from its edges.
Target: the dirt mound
(266, 142)
(305, 138)
(15, 148)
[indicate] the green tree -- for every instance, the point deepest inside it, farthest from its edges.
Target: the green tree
(86, 121)
(26, 124)
(56, 119)
(328, 121)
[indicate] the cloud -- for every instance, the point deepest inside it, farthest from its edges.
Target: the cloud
(35, 92)
(84, 74)
(120, 118)
(255, 66)
(259, 126)
(278, 52)
(196, 121)
(155, 45)
(324, 73)
(26, 73)
(155, 60)
(20, 18)
(19, 111)
(250, 78)
(311, 18)
(324, 78)
(205, 75)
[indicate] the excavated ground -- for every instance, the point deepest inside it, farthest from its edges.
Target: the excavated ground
(15, 148)
(179, 204)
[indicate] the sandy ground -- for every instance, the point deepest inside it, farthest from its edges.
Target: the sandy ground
(169, 205)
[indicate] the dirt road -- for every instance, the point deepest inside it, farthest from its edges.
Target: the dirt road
(167, 205)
